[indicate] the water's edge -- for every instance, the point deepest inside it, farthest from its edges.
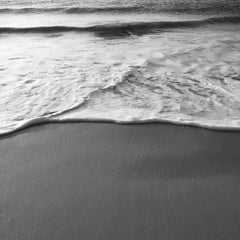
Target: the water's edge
(43, 121)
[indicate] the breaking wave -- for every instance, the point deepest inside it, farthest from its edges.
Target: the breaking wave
(133, 27)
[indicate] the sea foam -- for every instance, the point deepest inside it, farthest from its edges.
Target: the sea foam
(134, 68)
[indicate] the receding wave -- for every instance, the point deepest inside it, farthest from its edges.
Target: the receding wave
(134, 27)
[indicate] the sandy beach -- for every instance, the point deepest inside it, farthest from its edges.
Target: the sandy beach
(119, 182)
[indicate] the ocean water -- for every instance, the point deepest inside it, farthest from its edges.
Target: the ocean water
(123, 61)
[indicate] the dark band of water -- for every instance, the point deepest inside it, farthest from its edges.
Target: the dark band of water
(231, 7)
(125, 27)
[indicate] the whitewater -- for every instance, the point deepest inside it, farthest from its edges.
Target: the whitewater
(124, 62)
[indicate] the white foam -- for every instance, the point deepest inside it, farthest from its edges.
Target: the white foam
(180, 77)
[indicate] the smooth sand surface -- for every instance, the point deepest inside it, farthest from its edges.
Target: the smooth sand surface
(99, 181)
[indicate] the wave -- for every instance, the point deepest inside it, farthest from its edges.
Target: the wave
(73, 10)
(45, 120)
(131, 78)
(149, 8)
(127, 28)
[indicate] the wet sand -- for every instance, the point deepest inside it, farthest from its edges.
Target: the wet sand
(119, 182)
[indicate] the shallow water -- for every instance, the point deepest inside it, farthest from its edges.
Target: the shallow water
(125, 63)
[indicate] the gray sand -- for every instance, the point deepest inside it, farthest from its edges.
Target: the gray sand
(97, 181)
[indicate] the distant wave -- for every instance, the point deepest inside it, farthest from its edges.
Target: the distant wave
(73, 10)
(128, 28)
(217, 8)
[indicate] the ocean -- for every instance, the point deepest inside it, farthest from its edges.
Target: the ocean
(128, 61)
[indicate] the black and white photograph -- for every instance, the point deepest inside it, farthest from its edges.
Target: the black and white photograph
(119, 119)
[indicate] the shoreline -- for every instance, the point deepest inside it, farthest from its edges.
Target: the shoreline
(112, 181)
(45, 121)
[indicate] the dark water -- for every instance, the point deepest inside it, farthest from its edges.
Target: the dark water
(90, 6)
